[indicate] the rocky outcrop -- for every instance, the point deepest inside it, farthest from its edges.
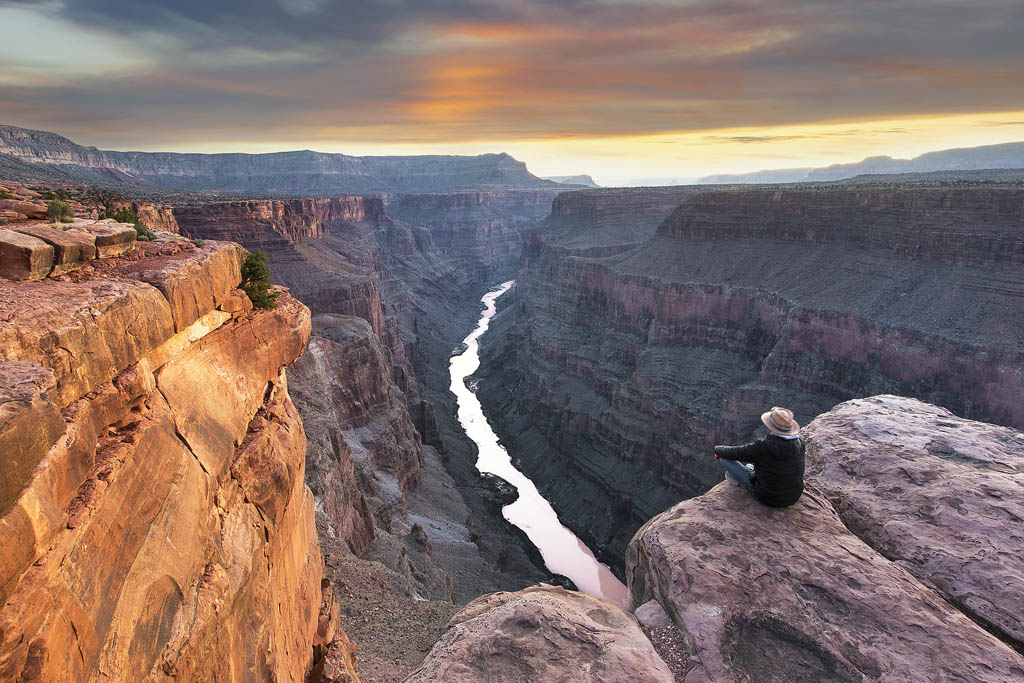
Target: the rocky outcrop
(845, 590)
(542, 633)
(23, 208)
(34, 250)
(155, 523)
(935, 493)
(611, 378)
(155, 216)
(300, 172)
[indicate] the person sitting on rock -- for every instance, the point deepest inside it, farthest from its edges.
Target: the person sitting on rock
(777, 476)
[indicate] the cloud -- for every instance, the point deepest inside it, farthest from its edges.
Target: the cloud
(469, 70)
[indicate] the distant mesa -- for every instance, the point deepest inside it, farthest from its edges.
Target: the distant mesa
(39, 156)
(582, 179)
(1009, 155)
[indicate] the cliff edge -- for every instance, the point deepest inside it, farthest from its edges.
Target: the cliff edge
(897, 564)
(154, 522)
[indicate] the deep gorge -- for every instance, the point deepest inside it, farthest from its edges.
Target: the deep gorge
(645, 325)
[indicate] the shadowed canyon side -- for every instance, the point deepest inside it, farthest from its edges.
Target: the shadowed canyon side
(615, 375)
(156, 525)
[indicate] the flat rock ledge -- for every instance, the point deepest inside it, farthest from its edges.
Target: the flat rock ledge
(36, 250)
(940, 495)
(904, 590)
(542, 633)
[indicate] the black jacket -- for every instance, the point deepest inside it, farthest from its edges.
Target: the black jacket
(778, 468)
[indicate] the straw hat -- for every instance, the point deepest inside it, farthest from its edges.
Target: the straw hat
(780, 421)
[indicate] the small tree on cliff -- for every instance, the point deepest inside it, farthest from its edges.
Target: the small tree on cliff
(256, 280)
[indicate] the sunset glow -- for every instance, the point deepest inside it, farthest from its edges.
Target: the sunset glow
(622, 89)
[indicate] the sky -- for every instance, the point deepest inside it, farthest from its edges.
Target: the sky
(625, 90)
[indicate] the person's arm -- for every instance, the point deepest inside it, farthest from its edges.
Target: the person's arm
(751, 452)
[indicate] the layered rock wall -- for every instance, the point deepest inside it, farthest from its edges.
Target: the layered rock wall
(615, 376)
(155, 521)
(481, 233)
(388, 306)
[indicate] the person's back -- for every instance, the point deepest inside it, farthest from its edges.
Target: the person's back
(777, 479)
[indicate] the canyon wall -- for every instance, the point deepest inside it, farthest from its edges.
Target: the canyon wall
(388, 305)
(479, 233)
(611, 378)
(38, 154)
(155, 522)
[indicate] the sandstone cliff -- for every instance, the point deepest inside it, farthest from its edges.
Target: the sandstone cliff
(154, 517)
(612, 377)
(897, 563)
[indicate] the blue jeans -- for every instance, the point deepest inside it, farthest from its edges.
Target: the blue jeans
(740, 472)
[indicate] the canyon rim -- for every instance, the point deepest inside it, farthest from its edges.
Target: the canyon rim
(398, 342)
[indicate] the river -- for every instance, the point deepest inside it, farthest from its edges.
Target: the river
(562, 551)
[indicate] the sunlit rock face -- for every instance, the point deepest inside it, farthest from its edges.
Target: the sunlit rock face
(897, 563)
(619, 366)
(156, 523)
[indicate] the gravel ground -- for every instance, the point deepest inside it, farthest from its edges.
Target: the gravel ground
(670, 645)
(393, 631)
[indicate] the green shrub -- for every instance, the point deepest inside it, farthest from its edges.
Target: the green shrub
(4, 194)
(256, 280)
(198, 243)
(56, 194)
(143, 234)
(58, 211)
(122, 215)
(125, 214)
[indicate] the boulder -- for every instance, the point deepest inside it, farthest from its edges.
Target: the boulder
(542, 633)
(940, 495)
(9, 215)
(30, 209)
(652, 615)
(112, 239)
(23, 257)
(71, 248)
(785, 595)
